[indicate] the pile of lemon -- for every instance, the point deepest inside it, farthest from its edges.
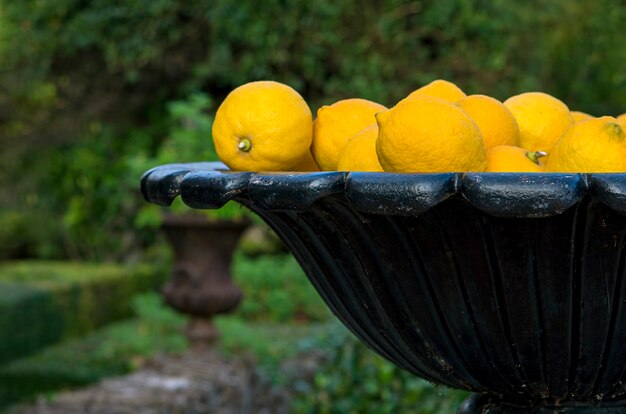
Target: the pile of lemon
(267, 126)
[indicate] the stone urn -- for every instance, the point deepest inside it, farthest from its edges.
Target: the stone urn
(201, 284)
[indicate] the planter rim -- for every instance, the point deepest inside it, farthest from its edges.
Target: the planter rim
(522, 195)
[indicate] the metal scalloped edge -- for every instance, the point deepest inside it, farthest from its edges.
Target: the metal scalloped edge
(161, 185)
(213, 189)
(210, 185)
(610, 189)
(293, 191)
(519, 195)
(412, 194)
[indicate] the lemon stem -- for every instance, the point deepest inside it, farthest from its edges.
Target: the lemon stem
(535, 155)
(616, 129)
(245, 145)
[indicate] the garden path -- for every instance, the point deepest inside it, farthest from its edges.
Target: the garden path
(198, 381)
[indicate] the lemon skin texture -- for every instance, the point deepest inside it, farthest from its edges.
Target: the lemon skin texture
(426, 134)
(508, 158)
(440, 88)
(580, 116)
(359, 154)
(541, 118)
(594, 146)
(334, 126)
(262, 126)
(496, 123)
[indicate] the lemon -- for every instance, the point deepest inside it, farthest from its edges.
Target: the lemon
(262, 126)
(336, 124)
(359, 154)
(541, 118)
(593, 146)
(306, 164)
(622, 118)
(426, 134)
(509, 158)
(496, 123)
(580, 116)
(440, 88)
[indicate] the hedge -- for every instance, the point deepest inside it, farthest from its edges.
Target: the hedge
(42, 303)
(112, 350)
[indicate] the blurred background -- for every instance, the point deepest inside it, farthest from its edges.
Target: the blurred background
(94, 93)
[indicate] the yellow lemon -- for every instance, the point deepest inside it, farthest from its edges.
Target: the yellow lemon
(306, 164)
(262, 126)
(593, 146)
(336, 124)
(580, 116)
(440, 88)
(426, 134)
(359, 154)
(541, 118)
(622, 118)
(509, 158)
(496, 123)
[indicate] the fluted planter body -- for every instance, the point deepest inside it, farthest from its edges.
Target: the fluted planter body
(508, 285)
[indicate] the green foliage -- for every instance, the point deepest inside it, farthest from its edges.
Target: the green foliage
(113, 350)
(127, 35)
(355, 380)
(276, 289)
(331, 49)
(268, 343)
(583, 50)
(16, 238)
(189, 139)
(89, 186)
(43, 303)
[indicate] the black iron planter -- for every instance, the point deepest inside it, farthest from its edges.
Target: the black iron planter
(512, 286)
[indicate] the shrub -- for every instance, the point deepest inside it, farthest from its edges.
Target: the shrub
(276, 289)
(43, 303)
(355, 380)
(110, 351)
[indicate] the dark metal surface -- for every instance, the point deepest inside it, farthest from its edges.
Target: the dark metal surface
(512, 285)
(483, 404)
